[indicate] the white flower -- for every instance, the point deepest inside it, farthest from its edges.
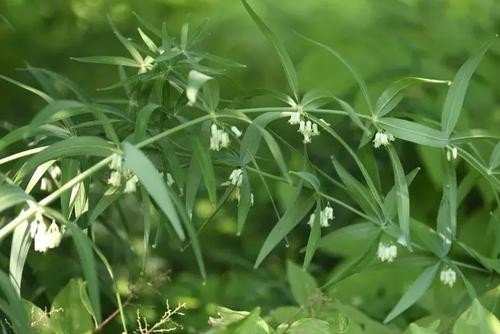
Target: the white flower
(308, 130)
(326, 215)
(146, 65)
(115, 179)
(236, 177)
(224, 139)
(382, 138)
(54, 236)
(131, 184)
(448, 277)
(55, 172)
(218, 138)
(236, 131)
(295, 118)
(387, 252)
(45, 184)
(116, 162)
(451, 153)
(41, 238)
(170, 180)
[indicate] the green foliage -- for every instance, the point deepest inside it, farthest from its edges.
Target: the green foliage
(402, 236)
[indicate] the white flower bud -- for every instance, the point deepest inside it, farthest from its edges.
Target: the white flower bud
(236, 131)
(448, 277)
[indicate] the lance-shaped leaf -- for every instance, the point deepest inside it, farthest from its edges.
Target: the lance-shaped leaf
(390, 200)
(302, 284)
(201, 153)
(21, 241)
(447, 214)
(414, 132)
(77, 146)
(456, 94)
(414, 292)
(294, 214)
(314, 237)
(495, 157)
(393, 94)
(402, 194)
(11, 195)
(245, 202)
(286, 62)
(152, 181)
(13, 307)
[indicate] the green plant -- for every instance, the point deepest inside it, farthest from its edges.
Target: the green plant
(171, 130)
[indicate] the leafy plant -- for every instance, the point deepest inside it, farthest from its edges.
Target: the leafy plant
(171, 137)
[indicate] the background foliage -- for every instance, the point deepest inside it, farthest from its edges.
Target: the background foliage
(384, 40)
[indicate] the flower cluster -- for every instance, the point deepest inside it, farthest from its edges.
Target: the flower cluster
(218, 138)
(382, 138)
(307, 128)
(45, 238)
(325, 216)
(119, 172)
(451, 153)
(387, 252)
(448, 277)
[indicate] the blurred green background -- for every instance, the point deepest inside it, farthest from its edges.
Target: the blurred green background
(384, 39)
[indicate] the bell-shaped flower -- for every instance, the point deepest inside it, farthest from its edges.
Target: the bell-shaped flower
(387, 252)
(382, 138)
(448, 277)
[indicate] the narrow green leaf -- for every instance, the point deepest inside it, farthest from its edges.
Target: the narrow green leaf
(302, 284)
(402, 195)
(244, 203)
(456, 94)
(414, 292)
(309, 178)
(193, 181)
(150, 178)
(89, 266)
(14, 309)
(38, 92)
(349, 234)
(447, 214)
(76, 146)
(126, 43)
(393, 94)
(56, 110)
(21, 241)
(11, 195)
(414, 132)
(358, 192)
(204, 160)
(286, 62)
(390, 201)
(142, 120)
(108, 60)
(314, 237)
(147, 208)
(495, 157)
(294, 214)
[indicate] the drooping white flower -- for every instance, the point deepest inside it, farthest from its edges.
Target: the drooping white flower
(224, 139)
(54, 236)
(236, 131)
(55, 172)
(218, 138)
(387, 252)
(45, 184)
(382, 138)
(451, 153)
(448, 277)
(131, 184)
(41, 238)
(326, 216)
(308, 130)
(236, 177)
(170, 180)
(295, 118)
(115, 179)
(116, 162)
